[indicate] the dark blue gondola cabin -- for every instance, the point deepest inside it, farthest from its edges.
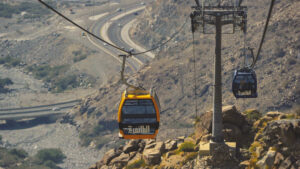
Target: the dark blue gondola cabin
(244, 83)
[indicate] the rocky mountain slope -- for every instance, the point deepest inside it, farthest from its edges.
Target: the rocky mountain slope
(171, 74)
(269, 141)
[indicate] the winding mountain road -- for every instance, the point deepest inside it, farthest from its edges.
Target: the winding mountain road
(114, 28)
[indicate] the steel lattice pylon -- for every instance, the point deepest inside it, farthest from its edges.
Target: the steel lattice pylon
(218, 16)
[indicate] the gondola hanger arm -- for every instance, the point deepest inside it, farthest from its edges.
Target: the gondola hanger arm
(123, 79)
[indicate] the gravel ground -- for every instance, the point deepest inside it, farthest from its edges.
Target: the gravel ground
(55, 135)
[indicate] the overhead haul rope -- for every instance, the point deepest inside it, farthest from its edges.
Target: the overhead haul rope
(264, 33)
(112, 45)
(194, 27)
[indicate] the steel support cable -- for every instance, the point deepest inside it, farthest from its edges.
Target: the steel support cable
(240, 2)
(195, 79)
(264, 33)
(124, 81)
(197, 2)
(85, 30)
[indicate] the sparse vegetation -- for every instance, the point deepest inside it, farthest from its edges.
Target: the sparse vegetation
(79, 56)
(19, 159)
(46, 72)
(33, 10)
(137, 164)
(252, 114)
(186, 147)
(49, 156)
(9, 61)
(5, 82)
(55, 75)
(19, 153)
(63, 83)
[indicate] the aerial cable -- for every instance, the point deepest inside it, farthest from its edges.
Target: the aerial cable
(264, 33)
(197, 2)
(85, 30)
(195, 79)
(123, 79)
(112, 45)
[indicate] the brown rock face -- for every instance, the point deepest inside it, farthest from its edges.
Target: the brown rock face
(222, 155)
(281, 131)
(231, 115)
(120, 161)
(108, 156)
(133, 145)
(152, 156)
(287, 163)
(278, 159)
(170, 145)
(235, 125)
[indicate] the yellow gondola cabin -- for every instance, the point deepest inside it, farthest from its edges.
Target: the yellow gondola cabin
(138, 115)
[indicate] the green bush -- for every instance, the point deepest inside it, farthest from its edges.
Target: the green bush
(9, 61)
(46, 72)
(186, 147)
(19, 153)
(252, 115)
(51, 154)
(3, 83)
(34, 10)
(65, 82)
(7, 159)
(137, 164)
(51, 164)
(0, 138)
(79, 58)
(98, 129)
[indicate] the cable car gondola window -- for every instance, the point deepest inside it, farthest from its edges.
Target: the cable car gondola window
(244, 83)
(138, 111)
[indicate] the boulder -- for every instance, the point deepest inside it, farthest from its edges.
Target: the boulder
(152, 156)
(120, 161)
(278, 159)
(149, 146)
(180, 139)
(206, 138)
(141, 145)
(133, 145)
(108, 156)
(231, 132)
(244, 164)
(170, 145)
(287, 133)
(296, 125)
(138, 156)
(221, 155)
(274, 114)
(287, 162)
(267, 160)
(231, 115)
(204, 125)
(161, 147)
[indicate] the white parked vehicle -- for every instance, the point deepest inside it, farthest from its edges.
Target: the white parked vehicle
(55, 108)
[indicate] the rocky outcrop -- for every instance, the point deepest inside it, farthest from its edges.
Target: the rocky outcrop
(235, 126)
(150, 151)
(276, 145)
(277, 142)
